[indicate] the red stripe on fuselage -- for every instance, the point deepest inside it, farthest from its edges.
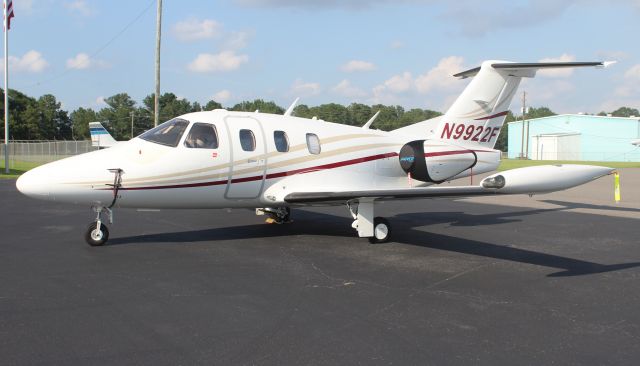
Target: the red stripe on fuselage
(268, 176)
(493, 116)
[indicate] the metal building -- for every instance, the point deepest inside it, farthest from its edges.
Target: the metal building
(575, 137)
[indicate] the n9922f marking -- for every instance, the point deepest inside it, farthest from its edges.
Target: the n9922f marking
(457, 131)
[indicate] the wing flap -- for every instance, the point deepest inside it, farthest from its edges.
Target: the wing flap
(386, 194)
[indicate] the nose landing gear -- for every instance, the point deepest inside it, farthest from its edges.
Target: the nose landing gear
(97, 232)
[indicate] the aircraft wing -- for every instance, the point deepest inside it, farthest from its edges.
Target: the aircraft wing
(529, 180)
(386, 194)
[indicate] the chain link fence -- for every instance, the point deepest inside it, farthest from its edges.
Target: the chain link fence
(40, 152)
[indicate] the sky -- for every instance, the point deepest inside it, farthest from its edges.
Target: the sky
(368, 51)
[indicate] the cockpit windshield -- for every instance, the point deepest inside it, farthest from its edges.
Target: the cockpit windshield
(168, 133)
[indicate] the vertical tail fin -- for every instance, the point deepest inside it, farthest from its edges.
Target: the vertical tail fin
(476, 117)
(100, 137)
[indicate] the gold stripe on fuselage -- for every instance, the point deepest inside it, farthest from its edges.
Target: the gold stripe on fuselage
(162, 177)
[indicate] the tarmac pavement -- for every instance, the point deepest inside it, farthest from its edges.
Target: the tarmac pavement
(463, 282)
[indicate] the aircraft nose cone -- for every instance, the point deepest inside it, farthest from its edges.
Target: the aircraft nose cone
(33, 184)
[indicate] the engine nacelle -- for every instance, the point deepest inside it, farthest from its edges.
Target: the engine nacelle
(435, 161)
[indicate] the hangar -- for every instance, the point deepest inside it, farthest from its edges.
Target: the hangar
(575, 137)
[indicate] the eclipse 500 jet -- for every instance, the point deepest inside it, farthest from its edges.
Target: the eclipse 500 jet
(224, 159)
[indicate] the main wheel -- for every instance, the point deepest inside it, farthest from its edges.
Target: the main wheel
(95, 237)
(381, 231)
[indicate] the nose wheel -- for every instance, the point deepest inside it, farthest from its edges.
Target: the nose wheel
(97, 234)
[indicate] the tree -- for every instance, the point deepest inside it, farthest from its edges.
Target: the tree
(359, 114)
(625, 112)
(258, 104)
(170, 106)
(539, 112)
(118, 115)
(80, 119)
(211, 105)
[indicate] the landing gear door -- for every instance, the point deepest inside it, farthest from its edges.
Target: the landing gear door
(248, 157)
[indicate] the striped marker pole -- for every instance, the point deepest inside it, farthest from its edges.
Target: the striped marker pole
(616, 186)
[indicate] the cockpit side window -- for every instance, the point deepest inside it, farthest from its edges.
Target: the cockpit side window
(202, 136)
(168, 133)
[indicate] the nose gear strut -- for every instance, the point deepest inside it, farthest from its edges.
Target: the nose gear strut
(97, 233)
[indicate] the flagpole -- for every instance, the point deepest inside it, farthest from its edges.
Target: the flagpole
(6, 91)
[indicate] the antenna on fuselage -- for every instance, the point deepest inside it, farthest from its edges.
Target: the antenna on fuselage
(370, 121)
(291, 107)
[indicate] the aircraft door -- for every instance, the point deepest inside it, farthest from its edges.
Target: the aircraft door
(248, 157)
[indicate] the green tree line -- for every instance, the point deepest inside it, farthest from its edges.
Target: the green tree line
(44, 119)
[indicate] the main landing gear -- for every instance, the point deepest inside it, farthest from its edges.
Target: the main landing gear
(376, 229)
(97, 232)
(276, 215)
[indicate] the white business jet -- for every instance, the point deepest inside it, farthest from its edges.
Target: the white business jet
(223, 159)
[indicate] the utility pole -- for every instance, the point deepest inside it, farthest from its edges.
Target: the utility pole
(132, 113)
(156, 113)
(524, 110)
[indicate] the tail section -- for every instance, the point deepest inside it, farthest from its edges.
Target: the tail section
(476, 117)
(100, 137)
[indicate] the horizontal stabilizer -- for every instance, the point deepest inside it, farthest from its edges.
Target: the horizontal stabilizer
(518, 66)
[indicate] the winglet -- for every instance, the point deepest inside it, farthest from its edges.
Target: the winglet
(291, 107)
(608, 63)
(371, 120)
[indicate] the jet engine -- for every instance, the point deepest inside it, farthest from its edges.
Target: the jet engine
(435, 161)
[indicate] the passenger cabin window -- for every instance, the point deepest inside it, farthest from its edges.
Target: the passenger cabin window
(313, 143)
(202, 136)
(168, 133)
(247, 140)
(281, 140)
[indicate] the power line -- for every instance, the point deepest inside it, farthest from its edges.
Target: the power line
(103, 47)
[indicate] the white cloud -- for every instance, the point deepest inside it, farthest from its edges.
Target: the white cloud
(358, 65)
(346, 89)
(305, 89)
(558, 73)
(223, 61)
(440, 77)
(79, 7)
(437, 82)
(399, 83)
(80, 62)
(222, 96)
(194, 29)
(99, 102)
(83, 61)
(31, 61)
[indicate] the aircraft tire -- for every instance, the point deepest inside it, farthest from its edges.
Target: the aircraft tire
(381, 231)
(95, 238)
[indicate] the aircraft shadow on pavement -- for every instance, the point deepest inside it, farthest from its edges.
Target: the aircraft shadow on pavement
(405, 232)
(572, 205)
